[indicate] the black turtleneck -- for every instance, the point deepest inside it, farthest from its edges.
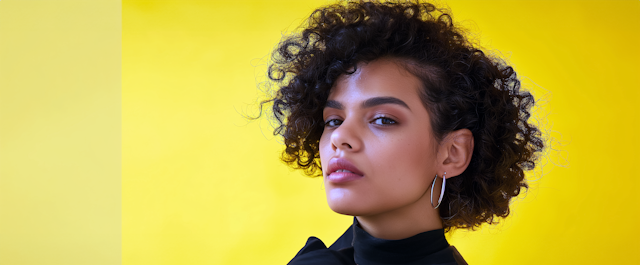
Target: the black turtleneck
(356, 246)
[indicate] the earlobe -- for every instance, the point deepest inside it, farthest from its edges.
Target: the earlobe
(458, 151)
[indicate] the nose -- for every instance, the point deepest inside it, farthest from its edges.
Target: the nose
(346, 137)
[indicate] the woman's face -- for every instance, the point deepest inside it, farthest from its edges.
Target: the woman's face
(377, 150)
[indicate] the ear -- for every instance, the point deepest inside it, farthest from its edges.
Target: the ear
(454, 153)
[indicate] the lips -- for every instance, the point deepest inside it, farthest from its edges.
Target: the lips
(342, 170)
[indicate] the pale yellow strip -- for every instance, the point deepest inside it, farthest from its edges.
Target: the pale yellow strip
(60, 124)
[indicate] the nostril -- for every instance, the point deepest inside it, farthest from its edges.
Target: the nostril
(348, 145)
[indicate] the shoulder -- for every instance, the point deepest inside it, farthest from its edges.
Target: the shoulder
(444, 257)
(316, 252)
(457, 256)
(342, 252)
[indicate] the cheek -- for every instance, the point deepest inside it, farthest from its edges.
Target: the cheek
(420, 155)
(406, 149)
(324, 148)
(407, 161)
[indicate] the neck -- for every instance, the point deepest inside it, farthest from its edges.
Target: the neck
(404, 222)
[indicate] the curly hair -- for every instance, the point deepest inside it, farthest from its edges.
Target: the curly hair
(467, 89)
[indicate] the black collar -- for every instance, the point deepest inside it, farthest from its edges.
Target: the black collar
(372, 250)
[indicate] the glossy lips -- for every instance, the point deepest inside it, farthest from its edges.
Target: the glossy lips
(341, 170)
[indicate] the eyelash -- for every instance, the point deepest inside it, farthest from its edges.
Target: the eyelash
(392, 121)
(328, 123)
(389, 121)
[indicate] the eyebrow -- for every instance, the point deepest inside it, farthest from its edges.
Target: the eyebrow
(372, 102)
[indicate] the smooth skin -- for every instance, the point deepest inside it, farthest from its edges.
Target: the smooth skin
(375, 119)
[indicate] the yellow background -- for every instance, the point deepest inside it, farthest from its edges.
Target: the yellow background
(60, 141)
(202, 185)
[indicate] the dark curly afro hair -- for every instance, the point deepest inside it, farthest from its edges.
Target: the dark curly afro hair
(467, 89)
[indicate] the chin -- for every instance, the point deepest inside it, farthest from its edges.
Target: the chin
(349, 202)
(345, 210)
(347, 207)
(353, 209)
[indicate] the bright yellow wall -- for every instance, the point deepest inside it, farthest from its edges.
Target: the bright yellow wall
(202, 185)
(60, 145)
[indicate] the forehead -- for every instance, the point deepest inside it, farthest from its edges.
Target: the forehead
(379, 78)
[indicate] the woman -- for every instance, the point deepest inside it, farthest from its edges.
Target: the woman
(414, 130)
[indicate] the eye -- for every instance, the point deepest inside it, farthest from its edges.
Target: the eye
(332, 123)
(383, 121)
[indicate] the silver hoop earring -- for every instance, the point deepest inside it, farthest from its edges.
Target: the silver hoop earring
(444, 180)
